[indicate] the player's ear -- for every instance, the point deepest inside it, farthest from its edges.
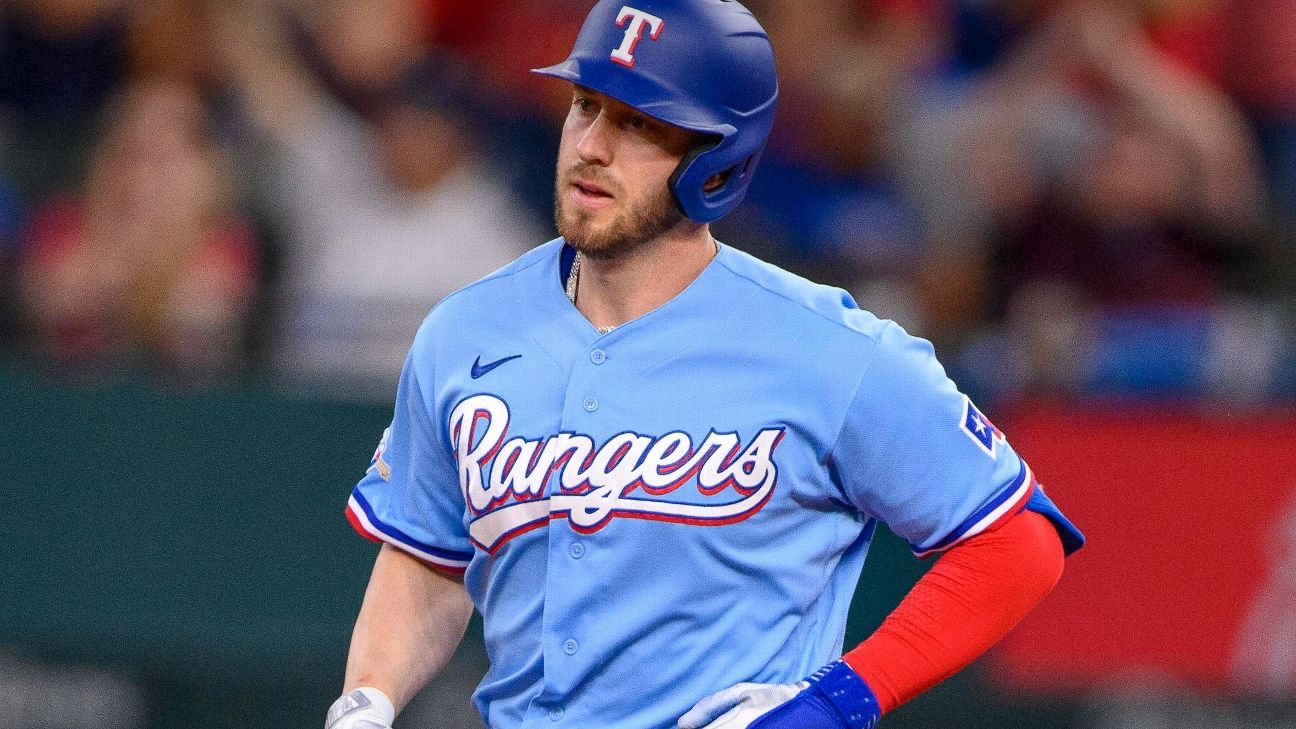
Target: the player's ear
(714, 183)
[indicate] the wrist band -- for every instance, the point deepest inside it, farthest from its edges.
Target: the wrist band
(358, 700)
(848, 694)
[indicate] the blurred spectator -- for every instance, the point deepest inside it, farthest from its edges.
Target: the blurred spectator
(168, 38)
(61, 58)
(985, 30)
(1189, 32)
(1066, 179)
(1261, 70)
(1092, 60)
(363, 48)
(504, 39)
(1264, 659)
(1122, 196)
(389, 211)
(826, 200)
(148, 262)
(59, 61)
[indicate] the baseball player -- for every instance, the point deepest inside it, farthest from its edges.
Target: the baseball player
(655, 464)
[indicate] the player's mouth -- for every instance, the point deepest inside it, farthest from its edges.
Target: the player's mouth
(590, 195)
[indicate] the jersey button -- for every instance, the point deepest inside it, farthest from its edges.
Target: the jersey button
(556, 713)
(576, 550)
(590, 404)
(598, 356)
(570, 647)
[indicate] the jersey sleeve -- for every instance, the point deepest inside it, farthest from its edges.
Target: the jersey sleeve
(409, 496)
(917, 454)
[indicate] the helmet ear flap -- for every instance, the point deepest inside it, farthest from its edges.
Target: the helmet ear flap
(688, 181)
(682, 169)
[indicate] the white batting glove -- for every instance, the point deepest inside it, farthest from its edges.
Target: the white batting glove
(363, 708)
(739, 705)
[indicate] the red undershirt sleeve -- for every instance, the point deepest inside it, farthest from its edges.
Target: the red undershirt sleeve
(974, 594)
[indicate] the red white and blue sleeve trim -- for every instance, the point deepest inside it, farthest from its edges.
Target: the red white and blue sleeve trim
(362, 518)
(1005, 505)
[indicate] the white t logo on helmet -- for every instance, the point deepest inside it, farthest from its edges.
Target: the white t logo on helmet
(635, 22)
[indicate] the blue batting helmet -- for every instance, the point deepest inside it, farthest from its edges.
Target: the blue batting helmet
(702, 65)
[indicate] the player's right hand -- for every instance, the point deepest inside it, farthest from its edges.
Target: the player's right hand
(363, 708)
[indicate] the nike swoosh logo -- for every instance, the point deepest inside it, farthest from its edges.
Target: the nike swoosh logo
(479, 369)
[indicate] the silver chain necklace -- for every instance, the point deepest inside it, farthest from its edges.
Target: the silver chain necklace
(573, 280)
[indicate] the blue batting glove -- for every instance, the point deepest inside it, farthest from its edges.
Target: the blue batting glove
(835, 697)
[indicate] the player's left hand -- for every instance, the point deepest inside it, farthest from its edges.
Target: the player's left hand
(835, 697)
(739, 705)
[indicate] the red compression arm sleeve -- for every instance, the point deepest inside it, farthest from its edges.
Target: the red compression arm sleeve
(974, 594)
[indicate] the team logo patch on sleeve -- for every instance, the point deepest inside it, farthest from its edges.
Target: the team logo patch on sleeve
(979, 428)
(377, 463)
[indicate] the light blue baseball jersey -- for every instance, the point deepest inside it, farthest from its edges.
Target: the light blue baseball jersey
(648, 516)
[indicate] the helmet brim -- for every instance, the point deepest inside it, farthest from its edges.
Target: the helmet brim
(646, 94)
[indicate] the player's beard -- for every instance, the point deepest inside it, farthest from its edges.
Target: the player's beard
(632, 226)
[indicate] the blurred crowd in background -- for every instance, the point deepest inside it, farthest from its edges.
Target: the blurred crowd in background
(1069, 197)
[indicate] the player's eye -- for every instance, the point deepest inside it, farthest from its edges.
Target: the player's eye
(637, 122)
(583, 104)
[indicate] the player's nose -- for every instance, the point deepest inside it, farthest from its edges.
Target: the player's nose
(596, 141)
